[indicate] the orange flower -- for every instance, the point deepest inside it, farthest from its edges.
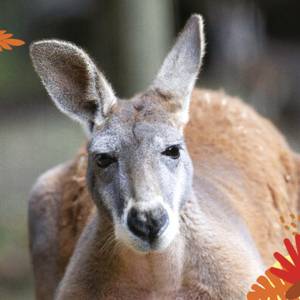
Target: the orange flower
(290, 271)
(6, 41)
(269, 287)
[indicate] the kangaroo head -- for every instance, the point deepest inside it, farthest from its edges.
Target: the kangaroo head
(139, 170)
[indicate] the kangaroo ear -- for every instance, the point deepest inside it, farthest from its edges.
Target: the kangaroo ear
(73, 81)
(177, 76)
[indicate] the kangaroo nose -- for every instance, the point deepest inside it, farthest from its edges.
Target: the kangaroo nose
(147, 225)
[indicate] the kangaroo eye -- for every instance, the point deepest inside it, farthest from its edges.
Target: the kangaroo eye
(172, 151)
(104, 160)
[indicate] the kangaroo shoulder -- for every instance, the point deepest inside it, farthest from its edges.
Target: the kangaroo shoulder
(43, 211)
(56, 188)
(47, 189)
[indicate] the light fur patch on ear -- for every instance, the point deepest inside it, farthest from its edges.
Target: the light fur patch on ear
(180, 69)
(73, 81)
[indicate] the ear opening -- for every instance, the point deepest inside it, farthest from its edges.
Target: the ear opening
(73, 81)
(178, 73)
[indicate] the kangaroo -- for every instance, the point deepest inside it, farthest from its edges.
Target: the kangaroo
(177, 194)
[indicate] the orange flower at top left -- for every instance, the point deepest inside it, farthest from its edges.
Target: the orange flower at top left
(7, 42)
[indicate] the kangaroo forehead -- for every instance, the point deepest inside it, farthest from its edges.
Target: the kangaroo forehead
(119, 135)
(125, 129)
(145, 107)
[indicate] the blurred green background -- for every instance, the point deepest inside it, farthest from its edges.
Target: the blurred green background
(253, 50)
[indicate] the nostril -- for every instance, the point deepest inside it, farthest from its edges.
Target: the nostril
(159, 222)
(147, 225)
(137, 223)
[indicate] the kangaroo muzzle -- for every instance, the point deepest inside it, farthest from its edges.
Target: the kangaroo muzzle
(148, 225)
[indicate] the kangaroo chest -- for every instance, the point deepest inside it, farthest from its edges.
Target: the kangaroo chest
(156, 276)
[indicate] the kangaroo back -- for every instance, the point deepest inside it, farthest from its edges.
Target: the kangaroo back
(245, 155)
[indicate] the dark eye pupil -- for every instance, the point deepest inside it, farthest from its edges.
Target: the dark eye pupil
(172, 151)
(104, 160)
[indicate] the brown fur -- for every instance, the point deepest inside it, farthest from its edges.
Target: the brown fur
(236, 154)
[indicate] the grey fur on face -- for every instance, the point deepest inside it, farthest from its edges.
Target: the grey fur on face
(144, 161)
(142, 176)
